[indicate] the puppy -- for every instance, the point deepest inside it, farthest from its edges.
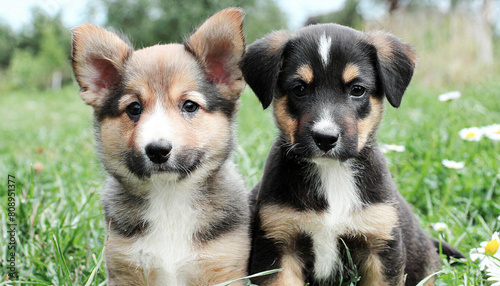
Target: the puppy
(164, 118)
(327, 210)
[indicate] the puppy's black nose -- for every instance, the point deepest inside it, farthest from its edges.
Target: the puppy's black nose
(159, 151)
(325, 140)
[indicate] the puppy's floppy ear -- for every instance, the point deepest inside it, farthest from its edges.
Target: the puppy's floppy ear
(396, 62)
(98, 59)
(262, 64)
(219, 45)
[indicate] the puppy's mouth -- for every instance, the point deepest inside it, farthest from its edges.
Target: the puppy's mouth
(333, 154)
(181, 163)
(308, 150)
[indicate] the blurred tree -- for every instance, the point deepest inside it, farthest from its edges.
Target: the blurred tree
(150, 22)
(262, 18)
(51, 53)
(32, 34)
(41, 59)
(347, 16)
(8, 43)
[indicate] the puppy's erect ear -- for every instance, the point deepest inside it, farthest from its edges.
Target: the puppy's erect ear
(262, 64)
(98, 58)
(396, 62)
(219, 45)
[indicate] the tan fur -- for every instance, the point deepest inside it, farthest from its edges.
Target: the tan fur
(91, 43)
(224, 259)
(382, 42)
(374, 222)
(219, 261)
(371, 272)
(283, 118)
(305, 73)
(162, 78)
(117, 135)
(284, 223)
(377, 220)
(281, 223)
(368, 125)
(291, 275)
(277, 39)
(379, 39)
(170, 86)
(351, 71)
(119, 264)
(163, 72)
(228, 40)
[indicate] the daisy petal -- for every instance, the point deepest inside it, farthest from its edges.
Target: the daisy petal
(471, 134)
(452, 164)
(392, 147)
(439, 226)
(492, 131)
(452, 95)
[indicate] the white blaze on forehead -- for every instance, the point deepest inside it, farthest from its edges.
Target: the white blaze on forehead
(324, 48)
(156, 127)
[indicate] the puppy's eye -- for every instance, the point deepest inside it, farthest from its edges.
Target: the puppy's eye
(190, 106)
(134, 110)
(299, 90)
(357, 91)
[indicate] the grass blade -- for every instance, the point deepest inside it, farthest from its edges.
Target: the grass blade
(62, 262)
(422, 283)
(96, 268)
(251, 276)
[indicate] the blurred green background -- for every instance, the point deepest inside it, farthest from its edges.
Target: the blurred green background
(47, 142)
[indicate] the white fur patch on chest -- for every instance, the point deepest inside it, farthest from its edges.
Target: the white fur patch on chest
(340, 191)
(324, 48)
(168, 246)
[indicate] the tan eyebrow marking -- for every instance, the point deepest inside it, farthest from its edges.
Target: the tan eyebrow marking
(351, 71)
(306, 73)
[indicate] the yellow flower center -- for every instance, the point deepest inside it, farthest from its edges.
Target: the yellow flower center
(470, 135)
(497, 132)
(491, 247)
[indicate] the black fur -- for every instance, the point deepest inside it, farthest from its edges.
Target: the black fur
(230, 217)
(395, 74)
(263, 83)
(291, 178)
(123, 210)
(186, 162)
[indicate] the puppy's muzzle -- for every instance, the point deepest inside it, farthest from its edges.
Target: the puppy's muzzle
(325, 140)
(158, 151)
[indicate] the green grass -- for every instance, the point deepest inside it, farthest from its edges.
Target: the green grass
(61, 233)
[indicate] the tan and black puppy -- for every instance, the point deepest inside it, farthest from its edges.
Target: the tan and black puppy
(176, 207)
(327, 209)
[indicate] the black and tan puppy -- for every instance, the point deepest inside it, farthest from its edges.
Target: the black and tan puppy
(327, 207)
(176, 207)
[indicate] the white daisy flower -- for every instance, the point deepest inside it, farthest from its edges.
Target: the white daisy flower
(493, 273)
(452, 95)
(492, 131)
(440, 226)
(471, 134)
(392, 147)
(452, 164)
(488, 255)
